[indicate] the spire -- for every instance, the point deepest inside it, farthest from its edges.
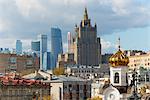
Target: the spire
(119, 43)
(85, 14)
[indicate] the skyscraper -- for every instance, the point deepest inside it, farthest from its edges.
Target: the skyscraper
(69, 42)
(18, 47)
(43, 48)
(47, 61)
(87, 47)
(56, 44)
(35, 46)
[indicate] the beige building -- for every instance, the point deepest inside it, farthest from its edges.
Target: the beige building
(86, 46)
(69, 88)
(140, 60)
(65, 59)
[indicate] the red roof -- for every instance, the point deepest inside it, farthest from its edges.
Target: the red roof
(10, 81)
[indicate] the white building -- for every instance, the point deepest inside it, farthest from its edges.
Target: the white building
(88, 72)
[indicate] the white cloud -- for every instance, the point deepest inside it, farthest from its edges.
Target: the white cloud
(107, 46)
(24, 19)
(65, 47)
(4, 24)
(29, 6)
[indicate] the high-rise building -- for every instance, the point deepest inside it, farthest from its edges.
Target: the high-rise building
(56, 44)
(47, 61)
(18, 47)
(87, 47)
(43, 48)
(35, 46)
(69, 42)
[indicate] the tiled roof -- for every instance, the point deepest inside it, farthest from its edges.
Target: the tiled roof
(6, 81)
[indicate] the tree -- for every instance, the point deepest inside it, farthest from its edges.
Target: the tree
(59, 71)
(95, 98)
(47, 98)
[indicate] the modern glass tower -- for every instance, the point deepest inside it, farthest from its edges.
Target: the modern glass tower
(56, 44)
(43, 48)
(35, 46)
(18, 47)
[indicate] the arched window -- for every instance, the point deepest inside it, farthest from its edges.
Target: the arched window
(116, 78)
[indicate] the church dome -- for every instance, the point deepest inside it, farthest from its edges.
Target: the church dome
(119, 59)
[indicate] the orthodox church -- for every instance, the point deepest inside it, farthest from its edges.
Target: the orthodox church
(118, 88)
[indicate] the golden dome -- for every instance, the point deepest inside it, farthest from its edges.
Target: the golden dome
(119, 59)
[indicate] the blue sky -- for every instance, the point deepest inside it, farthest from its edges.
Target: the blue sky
(127, 19)
(131, 39)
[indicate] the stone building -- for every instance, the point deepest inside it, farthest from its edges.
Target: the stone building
(86, 45)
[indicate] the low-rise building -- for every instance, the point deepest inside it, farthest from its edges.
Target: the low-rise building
(16, 88)
(17, 63)
(65, 60)
(88, 72)
(138, 61)
(69, 88)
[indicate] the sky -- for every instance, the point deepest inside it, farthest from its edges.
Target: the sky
(127, 19)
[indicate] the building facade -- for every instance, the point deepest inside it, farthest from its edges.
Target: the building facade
(140, 60)
(15, 88)
(69, 88)
(17, 63)
(87, 72)
(56, 44)
(87, 47)
(65, 59)
(18, 47)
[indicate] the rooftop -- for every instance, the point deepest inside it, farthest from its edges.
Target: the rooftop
(66, 79)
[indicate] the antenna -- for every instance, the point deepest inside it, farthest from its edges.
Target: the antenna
(119, 43)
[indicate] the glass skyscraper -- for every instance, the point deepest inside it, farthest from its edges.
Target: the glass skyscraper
(43, 48)
(56, 44)
(35, 46)
(18, 47)
(47, 61)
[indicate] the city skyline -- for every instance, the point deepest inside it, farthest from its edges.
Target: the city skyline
(125, 19)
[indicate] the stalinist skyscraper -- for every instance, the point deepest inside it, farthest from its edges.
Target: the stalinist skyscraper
(87, 47)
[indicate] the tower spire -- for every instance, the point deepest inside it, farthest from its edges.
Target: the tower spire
(119, 43)
(85, 14)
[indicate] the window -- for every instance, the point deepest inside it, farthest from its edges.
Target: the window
(12, 60)
(116, 78)
(29, 62)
